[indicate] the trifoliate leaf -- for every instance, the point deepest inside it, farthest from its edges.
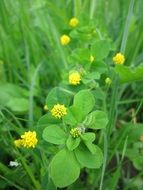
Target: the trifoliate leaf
(64, 168)
(87, 159)
(54, 134)
(72, 143)
(96, 120)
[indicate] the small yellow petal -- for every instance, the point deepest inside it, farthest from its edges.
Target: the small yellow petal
(119, 59)
(58, 111)
(74, 78)
(65, 39)
(73, 22)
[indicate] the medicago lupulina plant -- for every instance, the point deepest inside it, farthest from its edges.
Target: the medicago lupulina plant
(73, 119)
(70, 133)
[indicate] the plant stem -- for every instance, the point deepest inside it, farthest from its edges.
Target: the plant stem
(29, 172)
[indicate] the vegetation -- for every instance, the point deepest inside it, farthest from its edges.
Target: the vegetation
(71, 95)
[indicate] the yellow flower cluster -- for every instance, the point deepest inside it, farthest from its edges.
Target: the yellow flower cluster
(108, 81)
(91, 59)
(28, 140)
(59, 111)
(73, 22)
(65, 39)
(74, 78)
(75, 132)
(119, 59)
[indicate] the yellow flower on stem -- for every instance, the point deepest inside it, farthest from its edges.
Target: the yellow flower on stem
(58, 111)
(29, 139)
(74, 78)
(119, 59)
(65, 39)
(18, 143)
(73, 22)
(75, 132)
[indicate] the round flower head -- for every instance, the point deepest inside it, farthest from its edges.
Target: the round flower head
(75, 132)
(18, 143)
(65, 39)
(108, 81)
(74, 78)
(29, 139)
(73, 22)
(119, 59)
(59, 111)
(91, 59)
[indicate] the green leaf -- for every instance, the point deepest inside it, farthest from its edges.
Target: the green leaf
(90, 77)
(72, 143)
(54, 134)
(100, 49)
(87, 159)
(64, 168)
(80, 55)
(73, 116)
(129, 74)
(18, 104)
(88, 137)
(84, 102)
(90, 147)
(99, 66)
(58, 95)
(96, 120)
(45, 121)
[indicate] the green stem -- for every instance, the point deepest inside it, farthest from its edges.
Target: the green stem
(92, 8)
(77, 7)
(105, 159)
(29, 172)
(31, 94)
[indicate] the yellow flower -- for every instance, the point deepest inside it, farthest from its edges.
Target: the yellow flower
(73, 22)
(119, 59)
(59, 111)
(18, 143)
(46, 108)
(75, 132)
(29, 139)
(65, 39)
(108, 81)
(91, 59)
(74, 78)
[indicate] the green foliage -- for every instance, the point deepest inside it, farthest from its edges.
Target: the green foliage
(96, 120)
(84, 102)
(54, 134)
(34, 64)
(129, 74)
(86, 159)
(72, 143)
(64, 168)
(100, 53)
(58, 95)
